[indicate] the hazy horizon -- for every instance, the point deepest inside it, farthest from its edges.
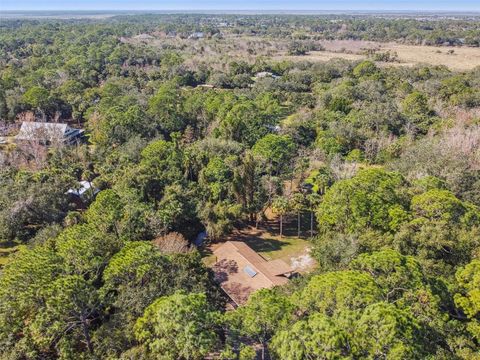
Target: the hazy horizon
(246, 5)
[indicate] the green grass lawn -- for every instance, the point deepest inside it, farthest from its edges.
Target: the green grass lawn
(273, 247)
(267, 242)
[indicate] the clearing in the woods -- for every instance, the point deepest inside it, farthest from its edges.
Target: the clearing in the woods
(266, 241)
(455, 58)
(232, 47)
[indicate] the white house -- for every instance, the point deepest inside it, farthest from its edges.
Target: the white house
(84, 186)
(49, 133)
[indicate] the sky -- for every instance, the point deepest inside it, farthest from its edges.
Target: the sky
(380, 5)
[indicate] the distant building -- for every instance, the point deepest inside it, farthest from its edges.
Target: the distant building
(82, 190)
(143, 37)
(83, 194)
(265, 74)
(240, 271)
(196, 35)
(274, 128)
(206, 86)
(49, 133)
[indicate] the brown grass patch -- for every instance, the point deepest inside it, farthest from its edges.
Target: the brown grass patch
(219, 52)
(462, 58)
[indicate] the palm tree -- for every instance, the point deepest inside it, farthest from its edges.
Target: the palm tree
(280, 206)
(298, 204)
(313, 200)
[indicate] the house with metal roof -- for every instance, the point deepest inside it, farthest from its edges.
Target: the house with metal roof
(84, 187)
(49, 133)
(82, 194)
(196, 35)
(240, 271)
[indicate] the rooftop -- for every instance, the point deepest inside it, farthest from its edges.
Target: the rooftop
(83, 187)
(46, 132)
(240, 271)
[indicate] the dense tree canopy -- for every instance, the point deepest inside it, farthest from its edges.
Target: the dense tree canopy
(200, 126)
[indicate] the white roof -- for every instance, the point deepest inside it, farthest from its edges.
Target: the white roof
(84, 186)
(45, 131)
(264, 74)
(143, 36)
(197, 34)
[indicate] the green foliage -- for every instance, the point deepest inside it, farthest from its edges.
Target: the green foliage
(468, 299)
(178, 326)
(37, 97)
(60, 292)
(219, 218)
(391, 271)
(340, 104)
(386, 331)
(364, 201)
(280, 205)
(458, 91)
(334, 292)
(71, 304)
(106, 211)
(297, 48)
(84, 250)
(397, 269)
(429, 183)
(123, 217)
(317, 337)
(176, 211)
(161, 165)
(365, 69)
(438, 205)
(30, 203)
(217, 177)
(329, 143)
(415, 106)
(138, 275)
(264, 312)
(355, 156)
(120, 123)
(166, 108)
(344, 315)
(321, 180)
(247, 353)
(275, 150)
(248, 121)
(29, 272)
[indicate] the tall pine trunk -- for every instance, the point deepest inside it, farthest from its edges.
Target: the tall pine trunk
(298, 222)
(311, 223)
(281, 225)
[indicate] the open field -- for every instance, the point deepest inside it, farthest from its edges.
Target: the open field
(231, 47)
(462, 58)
